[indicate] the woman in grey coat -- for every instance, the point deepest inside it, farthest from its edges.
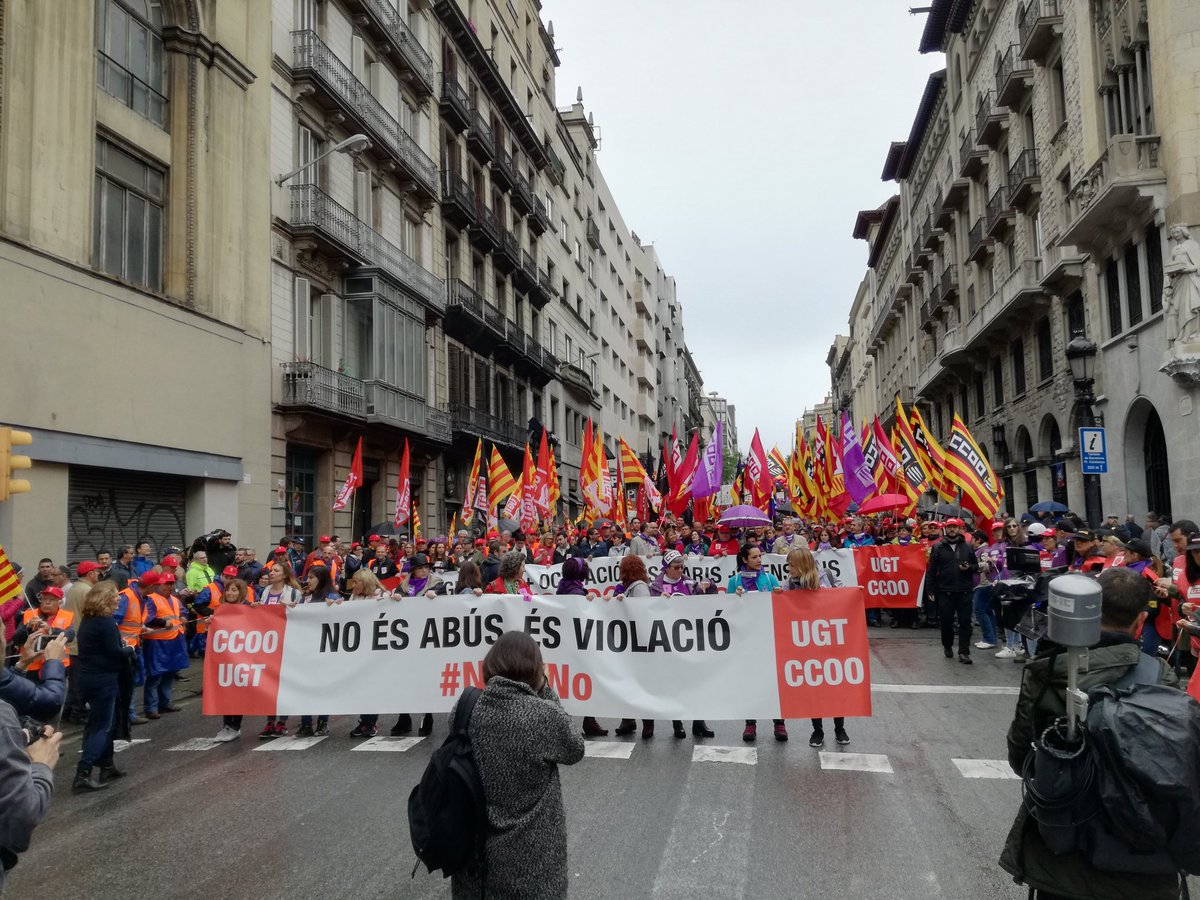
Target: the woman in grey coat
(520, 734)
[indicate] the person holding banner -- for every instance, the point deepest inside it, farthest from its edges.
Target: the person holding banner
(670, 583)
(634, 582)
(573, 583)
(420, 579)
(237, 593)
(511, 577)
(696, 545)
(805, 575)
(751, 576)
(470, 581)
(319, 588)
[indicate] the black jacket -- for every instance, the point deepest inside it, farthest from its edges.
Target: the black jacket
(944, 572)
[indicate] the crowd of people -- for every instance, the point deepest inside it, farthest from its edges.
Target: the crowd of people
(159, 605)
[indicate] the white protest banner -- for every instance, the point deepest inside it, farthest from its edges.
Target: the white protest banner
(791, 654)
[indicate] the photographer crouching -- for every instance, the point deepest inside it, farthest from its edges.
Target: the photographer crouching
(28, 749)
(1117, 661)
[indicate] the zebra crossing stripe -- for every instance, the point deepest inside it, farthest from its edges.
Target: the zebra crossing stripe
(746, 756)
(856, 762)
(388, 744)
(118, 746)
(607, 750)
(986, 768)
(290, 743)
(195, 744)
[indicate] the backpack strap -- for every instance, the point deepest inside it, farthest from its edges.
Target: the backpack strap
(466, 706)
(1147, 671)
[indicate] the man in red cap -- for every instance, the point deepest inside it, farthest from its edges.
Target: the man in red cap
(49, 618)
(89, 572)
(950, 575)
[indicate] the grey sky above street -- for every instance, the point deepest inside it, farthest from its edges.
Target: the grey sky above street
(742, 140)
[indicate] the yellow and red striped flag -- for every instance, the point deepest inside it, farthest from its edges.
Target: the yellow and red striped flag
(969, 469)
(632, 471)
(500, 481)
(914, 467)
(931, 454)
(473, 484)
(10, 584)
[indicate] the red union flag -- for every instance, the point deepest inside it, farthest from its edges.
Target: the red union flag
(403, 490)
(353, 480)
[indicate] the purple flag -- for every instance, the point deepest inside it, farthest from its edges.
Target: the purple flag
(859, 483)
(712, 466)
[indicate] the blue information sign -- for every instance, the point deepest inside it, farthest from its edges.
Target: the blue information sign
(1093, 451)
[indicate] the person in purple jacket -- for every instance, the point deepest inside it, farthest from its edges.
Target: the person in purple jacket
(671, 582)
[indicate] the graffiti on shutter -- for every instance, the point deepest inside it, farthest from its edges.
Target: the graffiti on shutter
(107, 508)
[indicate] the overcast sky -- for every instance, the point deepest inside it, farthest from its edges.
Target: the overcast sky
(742, 139)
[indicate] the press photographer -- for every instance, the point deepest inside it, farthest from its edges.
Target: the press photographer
(28, 749)
(1079, 847)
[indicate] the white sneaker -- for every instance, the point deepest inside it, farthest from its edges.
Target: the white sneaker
(227, 734)
(1006, 653)
(984, 645)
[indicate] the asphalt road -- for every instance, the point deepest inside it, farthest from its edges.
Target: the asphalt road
(647, 820)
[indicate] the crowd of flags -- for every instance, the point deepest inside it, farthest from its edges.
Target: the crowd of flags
(843, 467)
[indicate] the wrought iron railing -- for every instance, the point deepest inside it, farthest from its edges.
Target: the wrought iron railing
(311, 385)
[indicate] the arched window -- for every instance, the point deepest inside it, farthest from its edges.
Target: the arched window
(130, 64)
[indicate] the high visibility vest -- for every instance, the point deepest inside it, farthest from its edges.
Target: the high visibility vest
(62, 621)
(135, 617)
(160, 607)
(214, 591)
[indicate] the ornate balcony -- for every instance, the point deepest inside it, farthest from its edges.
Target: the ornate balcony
(526, 276)
(454, 104)
(1008, 306)
(307, 385)
(477, 423)
(556, 171)
(479, 137)
(508, 257)
(382, 20)
(978, 244)
(541, 293)
(485, 233)
(970, 156)
(1014, 77)
(930, 237)
(539, 222)
(593, 233)
(504, 172)
(335, 87)
(471, 319)
(512, 347)
(999, 214)
(390, 405)
(1024, 179)
(1121, 187)
(990, 121)
(522, 194)
(1039, 27)
(577, 381)
(1063, 266)
(458, 200)
(949, 283)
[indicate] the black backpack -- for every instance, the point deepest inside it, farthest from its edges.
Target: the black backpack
(447, 811)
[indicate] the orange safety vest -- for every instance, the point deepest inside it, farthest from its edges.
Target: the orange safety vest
(168, 608)
(214, 590)
(135, 618)
(62, 621)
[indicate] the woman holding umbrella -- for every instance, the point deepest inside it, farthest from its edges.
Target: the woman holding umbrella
(751, 576)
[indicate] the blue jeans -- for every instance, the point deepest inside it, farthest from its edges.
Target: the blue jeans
(982, 602)
(101, 696)
(160, 691)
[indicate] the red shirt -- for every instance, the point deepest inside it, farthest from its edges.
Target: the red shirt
(726, 548)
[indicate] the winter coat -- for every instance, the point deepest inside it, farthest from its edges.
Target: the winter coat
(1026, 856)
(764, 581)
(945, 558)
(40, 699)
(644, 546)
(520, 737)
(10, 612)
(25, 791)
(633, 589)
(660, 587)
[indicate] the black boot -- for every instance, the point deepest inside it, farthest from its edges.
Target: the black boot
(701, 729)
(592, 728)
(678, 726)
(627, 726)
(426, 725)
(403, 725)
(110, 773)
(86, 780)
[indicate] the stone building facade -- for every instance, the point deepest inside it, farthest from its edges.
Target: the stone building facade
(1036, 187)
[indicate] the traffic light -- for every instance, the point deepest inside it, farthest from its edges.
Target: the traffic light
(9, 438)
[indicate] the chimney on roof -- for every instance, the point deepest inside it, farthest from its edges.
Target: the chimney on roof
(579, 94)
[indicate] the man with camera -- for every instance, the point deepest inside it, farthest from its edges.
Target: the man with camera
(28, 749)
(1123, 607)
(951, 577)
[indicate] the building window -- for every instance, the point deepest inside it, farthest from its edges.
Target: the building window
(1058, 95)
(1045, 350)
(130, 62)
(1018, 364)
(127, 237)
(997, 382)
(1133, 285)
(1154, 267)
(1076, 318)
(1112, 290)
(980, 398)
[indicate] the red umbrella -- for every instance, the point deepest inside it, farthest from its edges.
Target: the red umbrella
(886, 502)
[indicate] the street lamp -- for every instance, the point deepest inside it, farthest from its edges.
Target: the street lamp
(1081, 357)
(356, 143)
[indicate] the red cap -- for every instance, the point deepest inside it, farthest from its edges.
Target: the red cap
(355, 546)
(996, 525)
(88, 566)
(479, 542)
(324, 539)
(149, 578)
(1050, 532)
(373, 538)
(934, 523)
(170, 561)
(230, 572)
(51, 591)
(166, 577)
(278, 550)
(958, 522)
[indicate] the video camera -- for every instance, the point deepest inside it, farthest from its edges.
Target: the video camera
(1023, 599)
(33, 730)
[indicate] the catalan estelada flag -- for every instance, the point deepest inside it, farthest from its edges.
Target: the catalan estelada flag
(969, 469)
(10, 584)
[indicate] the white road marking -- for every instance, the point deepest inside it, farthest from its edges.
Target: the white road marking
(945, 689)
(747, 756)
(985, 768)
(855, 762)
(386, 744)
(607, 750)
(196, 744)
(118, 746)
(291, 743)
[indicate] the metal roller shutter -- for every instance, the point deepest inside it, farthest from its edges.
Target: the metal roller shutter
(110, 507)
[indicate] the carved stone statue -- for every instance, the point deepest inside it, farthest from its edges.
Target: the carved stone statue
(1181, 295)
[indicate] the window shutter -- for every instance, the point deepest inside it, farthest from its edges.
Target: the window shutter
(301, 316)
(330, 328)
(358, 58)
(364, 206)
(453, 355)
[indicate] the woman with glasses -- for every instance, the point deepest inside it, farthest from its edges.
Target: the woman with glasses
(751, 576)
(671, 581)
(1014, 536)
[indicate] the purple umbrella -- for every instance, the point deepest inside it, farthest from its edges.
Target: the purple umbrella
(744, 517)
